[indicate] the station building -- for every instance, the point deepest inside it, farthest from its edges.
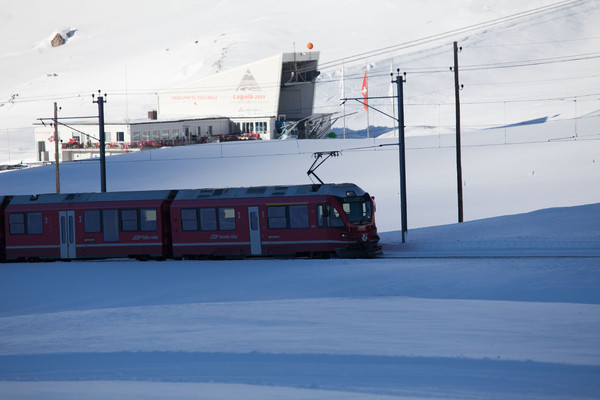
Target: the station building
(267, 99)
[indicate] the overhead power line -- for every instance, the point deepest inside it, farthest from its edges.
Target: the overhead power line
(449, 34)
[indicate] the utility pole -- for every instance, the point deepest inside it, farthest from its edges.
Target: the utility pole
(401, 155)
(458, 155)
(399, 80)
(56, 148)
(101, 102)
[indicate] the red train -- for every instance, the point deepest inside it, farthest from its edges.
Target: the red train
(304, 220)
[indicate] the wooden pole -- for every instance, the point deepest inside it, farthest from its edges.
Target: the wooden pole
(56, 162)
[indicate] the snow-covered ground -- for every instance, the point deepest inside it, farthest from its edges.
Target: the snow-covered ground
(499, 307)
(471, 327)
(505, 307)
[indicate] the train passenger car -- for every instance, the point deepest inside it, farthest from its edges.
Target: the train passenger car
(274, 220)
(88, 225)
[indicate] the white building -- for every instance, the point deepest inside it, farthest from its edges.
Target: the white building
(81, 141)
(269, 99)
(262, 97)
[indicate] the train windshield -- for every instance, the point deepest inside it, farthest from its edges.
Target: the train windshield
(358, 209)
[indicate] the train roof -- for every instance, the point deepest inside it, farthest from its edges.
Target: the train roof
(339, 190)
(53, 198)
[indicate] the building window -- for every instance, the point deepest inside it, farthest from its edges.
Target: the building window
(120, 136)
(247, 127)
(261, 127)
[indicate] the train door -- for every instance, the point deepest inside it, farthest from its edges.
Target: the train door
(255, 241)
(67, 234)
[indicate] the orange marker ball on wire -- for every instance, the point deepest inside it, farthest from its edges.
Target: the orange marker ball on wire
(309, 45)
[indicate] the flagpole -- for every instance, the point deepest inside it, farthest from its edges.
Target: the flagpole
(366, 91)
(344, 94)
(391, 94)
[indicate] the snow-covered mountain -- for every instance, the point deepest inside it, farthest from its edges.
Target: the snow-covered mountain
(519, 60)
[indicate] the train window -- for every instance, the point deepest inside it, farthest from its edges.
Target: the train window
(17, 223)
(298, 216)
(34, 223)
(91, 221)
(358, 209)
(26, 223)
(110, 222)
(227, 219)
(277, 217)
(129, 220)
(320, 216)
(189, 219)
(334, 219)
(211, 219)
(208, 219)
(148, 221)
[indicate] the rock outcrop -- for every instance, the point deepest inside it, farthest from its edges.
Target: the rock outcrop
(58, 40)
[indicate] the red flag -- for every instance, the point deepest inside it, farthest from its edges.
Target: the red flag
(364, 91)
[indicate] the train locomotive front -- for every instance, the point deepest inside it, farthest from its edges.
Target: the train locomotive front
(358, 219)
